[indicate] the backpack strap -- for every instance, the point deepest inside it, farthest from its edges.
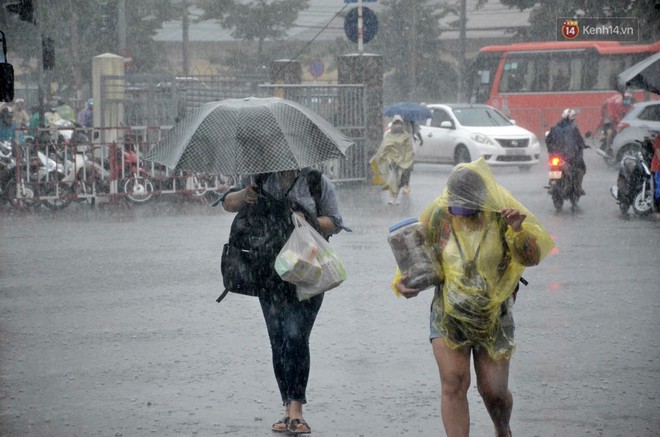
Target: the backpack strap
(222, 296)
(315, 188)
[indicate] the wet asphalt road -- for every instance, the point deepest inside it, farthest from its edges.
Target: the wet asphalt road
(108, 326)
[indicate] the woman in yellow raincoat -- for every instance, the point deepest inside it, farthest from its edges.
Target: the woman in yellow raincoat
(483, 239)
(393, 162)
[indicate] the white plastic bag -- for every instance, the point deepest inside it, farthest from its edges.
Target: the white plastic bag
(332, 271)
(296, 262)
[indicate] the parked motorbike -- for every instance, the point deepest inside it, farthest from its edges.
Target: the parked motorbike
(46, 170)
(55, 193)
(137, 183)
(19, 193)
(634, 184)
(7, 168)
(562, 182)
(85, 176)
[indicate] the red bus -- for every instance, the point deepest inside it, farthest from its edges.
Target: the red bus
(534, 82)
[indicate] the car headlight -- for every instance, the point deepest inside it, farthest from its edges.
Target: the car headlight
(483, 139)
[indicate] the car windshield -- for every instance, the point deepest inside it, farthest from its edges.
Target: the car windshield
(480, 117)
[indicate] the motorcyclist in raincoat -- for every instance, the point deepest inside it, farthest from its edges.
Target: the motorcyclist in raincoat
(393, 162)
(483, 239)
(565, 138)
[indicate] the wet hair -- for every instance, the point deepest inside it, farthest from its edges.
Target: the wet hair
(466, 189)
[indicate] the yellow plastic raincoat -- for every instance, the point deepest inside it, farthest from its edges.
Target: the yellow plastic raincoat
(394, 155)
(482, 258)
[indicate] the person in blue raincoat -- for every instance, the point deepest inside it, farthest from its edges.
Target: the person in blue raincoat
(483, 239)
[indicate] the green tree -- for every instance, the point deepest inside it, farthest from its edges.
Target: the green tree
(543, 17)
(82, 29)
(409, 39)
(258, 20)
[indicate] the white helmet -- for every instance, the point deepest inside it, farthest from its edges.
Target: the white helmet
(568, 114)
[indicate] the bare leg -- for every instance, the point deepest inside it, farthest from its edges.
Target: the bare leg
(454, 367)
(295, 410)
(493, 385)
(281, 425)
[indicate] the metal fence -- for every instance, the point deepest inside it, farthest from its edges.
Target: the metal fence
(57, 167)
(162, 100)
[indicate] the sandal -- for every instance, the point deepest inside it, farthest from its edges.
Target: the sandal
(281, 425)
(299, 426)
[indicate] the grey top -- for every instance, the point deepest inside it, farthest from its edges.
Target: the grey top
(300, 193)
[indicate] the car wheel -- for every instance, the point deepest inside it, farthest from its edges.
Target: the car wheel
(461, 155)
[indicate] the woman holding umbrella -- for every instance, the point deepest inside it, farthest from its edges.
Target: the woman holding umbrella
(290, 321)
(278, 140)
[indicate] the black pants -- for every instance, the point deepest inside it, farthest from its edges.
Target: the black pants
(289, 324)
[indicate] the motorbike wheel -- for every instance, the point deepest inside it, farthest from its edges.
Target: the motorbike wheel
(62, 193)
(558, 201)
(28, 196)
(197, 186)
(139, 189)
(643, 203)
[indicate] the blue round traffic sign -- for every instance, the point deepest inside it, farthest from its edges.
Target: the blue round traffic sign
(316, 68)
(369, 24)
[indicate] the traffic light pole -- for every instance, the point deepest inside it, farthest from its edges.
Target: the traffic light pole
(360, 29)
(40, 67)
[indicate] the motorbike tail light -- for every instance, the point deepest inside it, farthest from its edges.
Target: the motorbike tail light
(555, 161)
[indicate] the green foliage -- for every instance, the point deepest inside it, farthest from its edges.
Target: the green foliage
(543, 17)
(82, 29)
(258, 20)
(409, 39)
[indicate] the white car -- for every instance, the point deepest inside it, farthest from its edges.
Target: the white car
(463, 132)
(642, 120)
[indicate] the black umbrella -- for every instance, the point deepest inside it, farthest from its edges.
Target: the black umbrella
(249, 136)
(644, 75)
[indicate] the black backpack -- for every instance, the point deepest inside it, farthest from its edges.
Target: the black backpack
(257, 234)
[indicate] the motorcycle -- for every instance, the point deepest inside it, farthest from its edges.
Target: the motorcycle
(7, 169)
(562, 182)
(46, 170)
(634, 184)
(18, 193)
(49, 176)
(137, 182)
(85, 176)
